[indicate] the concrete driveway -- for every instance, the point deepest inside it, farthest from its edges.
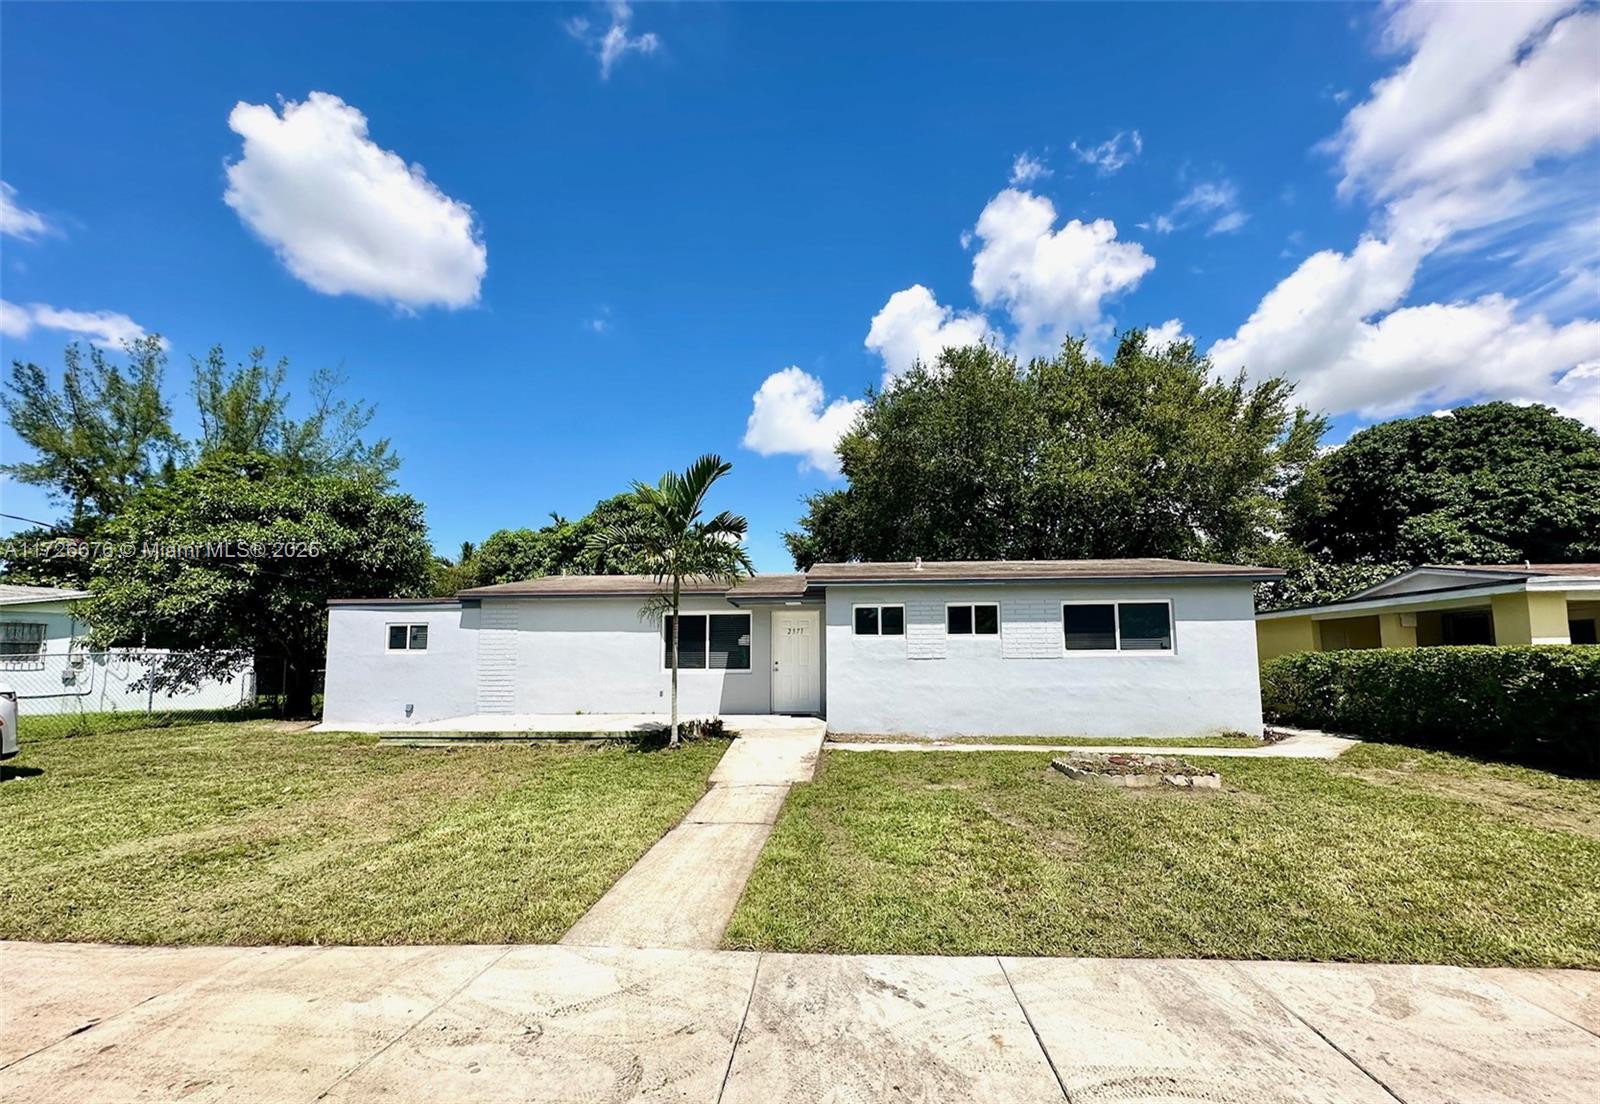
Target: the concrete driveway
(549, 1023)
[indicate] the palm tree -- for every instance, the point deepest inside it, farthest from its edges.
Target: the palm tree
(670, 539)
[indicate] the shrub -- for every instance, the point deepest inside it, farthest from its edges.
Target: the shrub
(1540, 702)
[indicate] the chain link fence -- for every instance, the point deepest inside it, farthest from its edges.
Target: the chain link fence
(112, 682)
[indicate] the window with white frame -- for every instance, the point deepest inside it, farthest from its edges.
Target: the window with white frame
(408, 638)
(1117, 626)
(708, 642)
(23, 639)
(880, 620)
(972, 619)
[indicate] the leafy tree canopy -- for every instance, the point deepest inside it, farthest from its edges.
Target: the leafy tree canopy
(217, 562)
(560, 548)
(1495, 483)
(978, 457)
(99, 437)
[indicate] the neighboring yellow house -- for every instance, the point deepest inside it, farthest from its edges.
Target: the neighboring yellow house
(1443, 605)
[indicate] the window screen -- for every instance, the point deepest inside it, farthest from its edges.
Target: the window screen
(1146, 626)
(397, 638)
(419, 638)
(866, 620)
(958, 620)
(730, 642)
(1090, 628)
(691, 641)
(893, 620)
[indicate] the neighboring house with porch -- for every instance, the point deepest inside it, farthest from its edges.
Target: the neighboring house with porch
(44, 658)
(1438, 605)
(1123, 648)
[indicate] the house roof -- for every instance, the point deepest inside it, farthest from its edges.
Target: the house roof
(12, 594)
(1464, 581)
(1000, 571)
(628, 586)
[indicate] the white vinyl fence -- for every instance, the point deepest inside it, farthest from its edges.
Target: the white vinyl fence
(104, 682)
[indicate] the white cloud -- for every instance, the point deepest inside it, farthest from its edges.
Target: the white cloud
(18, 221)
(1169, 332)
(789, 416)
(1215, 202)
(1026, 168)
(1052, 283)
(107, 329)
(1467, 146)
(613, 44)
(1487, 94)
(1335, 327)
(347, 216)
(1112, 154)
(912, 326)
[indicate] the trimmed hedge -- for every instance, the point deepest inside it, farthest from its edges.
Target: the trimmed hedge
(1540, 702)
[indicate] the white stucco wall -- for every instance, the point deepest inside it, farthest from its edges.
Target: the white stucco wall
(1024, 682)
(365, 683)
(597, 655)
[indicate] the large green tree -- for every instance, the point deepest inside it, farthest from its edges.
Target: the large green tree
(980, 457)
(237, 557)
(668, 535)
(1495, 483)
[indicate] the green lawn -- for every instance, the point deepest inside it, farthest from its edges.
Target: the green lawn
(1389, 854)
(253, 832)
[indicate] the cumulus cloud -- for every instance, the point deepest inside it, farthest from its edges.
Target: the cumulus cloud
(107, 329)
(1026, 168)
(1112, 154)
(1335, 327)
(614, 43)
(347, 216)
(18, 221)
(1051, 283)
(912, 326)
(789, 415)
(1467, 144)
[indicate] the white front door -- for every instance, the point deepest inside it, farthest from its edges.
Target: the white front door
(796, 662)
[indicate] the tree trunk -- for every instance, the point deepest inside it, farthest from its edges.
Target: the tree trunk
(677, 626)
(296, 690)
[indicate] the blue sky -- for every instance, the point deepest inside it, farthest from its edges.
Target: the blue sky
(563, 247)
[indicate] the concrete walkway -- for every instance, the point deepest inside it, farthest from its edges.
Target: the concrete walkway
(1308, 746)
(683, 891)
(86, 1023)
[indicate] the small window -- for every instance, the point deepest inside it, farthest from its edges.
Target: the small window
(408, 638)
(1458, 627)
(716, 642)
(21, 638)
(974, 619)
(1090, 628)
(880, 620)
(1583, 632)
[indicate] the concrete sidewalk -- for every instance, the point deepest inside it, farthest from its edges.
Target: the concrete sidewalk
(1306, 746)
(682, 893)
(85, 1023)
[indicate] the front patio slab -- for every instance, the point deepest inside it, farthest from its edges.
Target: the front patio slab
(1437, 1034)
(1178, 1030)
(886, 1028)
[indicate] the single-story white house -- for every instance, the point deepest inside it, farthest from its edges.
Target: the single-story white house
(44, 659)
(1122, 648)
